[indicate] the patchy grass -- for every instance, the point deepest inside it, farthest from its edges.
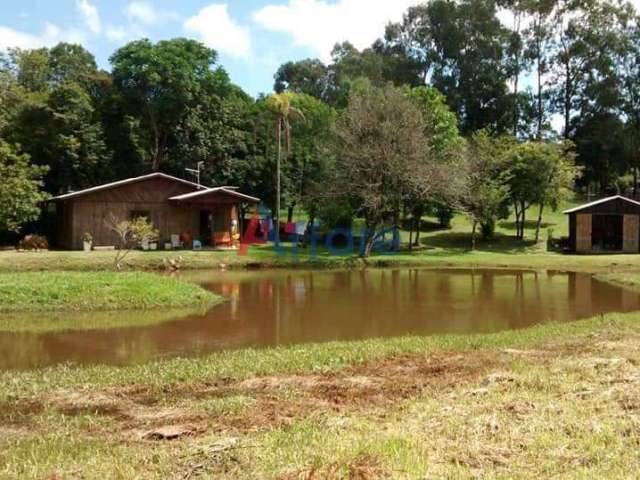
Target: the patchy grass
(57, 321)
(553, 400)
(623, 279)
(75, 291)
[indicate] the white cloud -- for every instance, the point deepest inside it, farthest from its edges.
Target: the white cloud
(116, 34)
(215, 27)
(319, 25)
(145, 13)
(50, 35)
(90, 14)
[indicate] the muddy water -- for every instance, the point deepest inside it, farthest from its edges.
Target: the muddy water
(282, 308)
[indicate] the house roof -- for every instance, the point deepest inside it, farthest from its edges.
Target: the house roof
(226, 190)
(126, 181)
(598, 202)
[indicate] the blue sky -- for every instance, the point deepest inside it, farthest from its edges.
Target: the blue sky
(252, 37)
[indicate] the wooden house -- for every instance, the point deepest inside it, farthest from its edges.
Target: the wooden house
(610, 224)
(175, 207)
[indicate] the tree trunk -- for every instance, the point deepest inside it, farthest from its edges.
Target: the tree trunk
(277, 213)
(368, 247)
(516, 78)
(539, 74)
(290, 209)
(473, 235)
(567, 100)
(418, 226)
(413, 224)
(539, 221)
(523, 221)
(517, 213)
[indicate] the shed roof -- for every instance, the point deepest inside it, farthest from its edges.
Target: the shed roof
(126, 181)
(208, 191)
(599, 202)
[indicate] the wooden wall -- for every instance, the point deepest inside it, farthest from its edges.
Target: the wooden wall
(583, 233)
(92, 212)
(631, 234)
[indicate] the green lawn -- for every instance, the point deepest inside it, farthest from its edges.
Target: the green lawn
(439, 248)
(82, 291)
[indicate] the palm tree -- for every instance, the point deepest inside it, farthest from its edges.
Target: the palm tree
(280, 103)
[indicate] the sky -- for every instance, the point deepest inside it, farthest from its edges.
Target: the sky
(252, 37)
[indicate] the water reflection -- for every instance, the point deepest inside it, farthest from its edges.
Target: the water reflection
(281, 308)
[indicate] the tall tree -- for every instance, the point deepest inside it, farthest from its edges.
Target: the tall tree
(539, 37)
(159, 83)
(285, 113)
(309, 76)
(20, 189)
(462, 48)
(382, 156)
(446, 151)
(485, 193)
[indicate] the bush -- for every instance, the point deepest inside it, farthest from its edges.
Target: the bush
(488, 229)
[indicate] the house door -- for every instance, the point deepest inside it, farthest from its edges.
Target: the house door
(206, 226)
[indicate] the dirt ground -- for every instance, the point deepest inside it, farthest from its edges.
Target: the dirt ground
(569, 408)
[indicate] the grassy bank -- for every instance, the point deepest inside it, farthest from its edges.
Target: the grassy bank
(58, 321)
(266, 257)
(75, 291)
(438, 247)
(569, 394)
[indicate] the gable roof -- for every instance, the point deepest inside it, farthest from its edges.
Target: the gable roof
(227, 190)
(598, 202)
(126, 181)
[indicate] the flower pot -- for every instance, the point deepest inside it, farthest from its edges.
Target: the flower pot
(86, 246)
(153, 246)
(144, 245)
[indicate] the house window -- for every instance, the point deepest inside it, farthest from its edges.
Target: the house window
(134, 214)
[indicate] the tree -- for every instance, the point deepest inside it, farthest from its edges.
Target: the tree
(382, 156)
(310, 159)
(63, 134)
(538, 173)
(20, 189)
(446, 148)
(590, 37)
(485, 193)
(309, 76)
(539, 37)
(461, 47)
(159, 83)
(599, 139)
(285, 113)
(557, 160)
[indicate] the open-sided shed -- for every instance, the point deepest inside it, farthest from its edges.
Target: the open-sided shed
(610, 224)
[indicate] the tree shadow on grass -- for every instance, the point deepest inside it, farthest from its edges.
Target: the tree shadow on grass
(528, 225)
(462, 242)
(426, 226)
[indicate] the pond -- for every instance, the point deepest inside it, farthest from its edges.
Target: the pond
(269, 308)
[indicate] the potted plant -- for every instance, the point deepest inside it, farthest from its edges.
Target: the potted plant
(87, 242)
